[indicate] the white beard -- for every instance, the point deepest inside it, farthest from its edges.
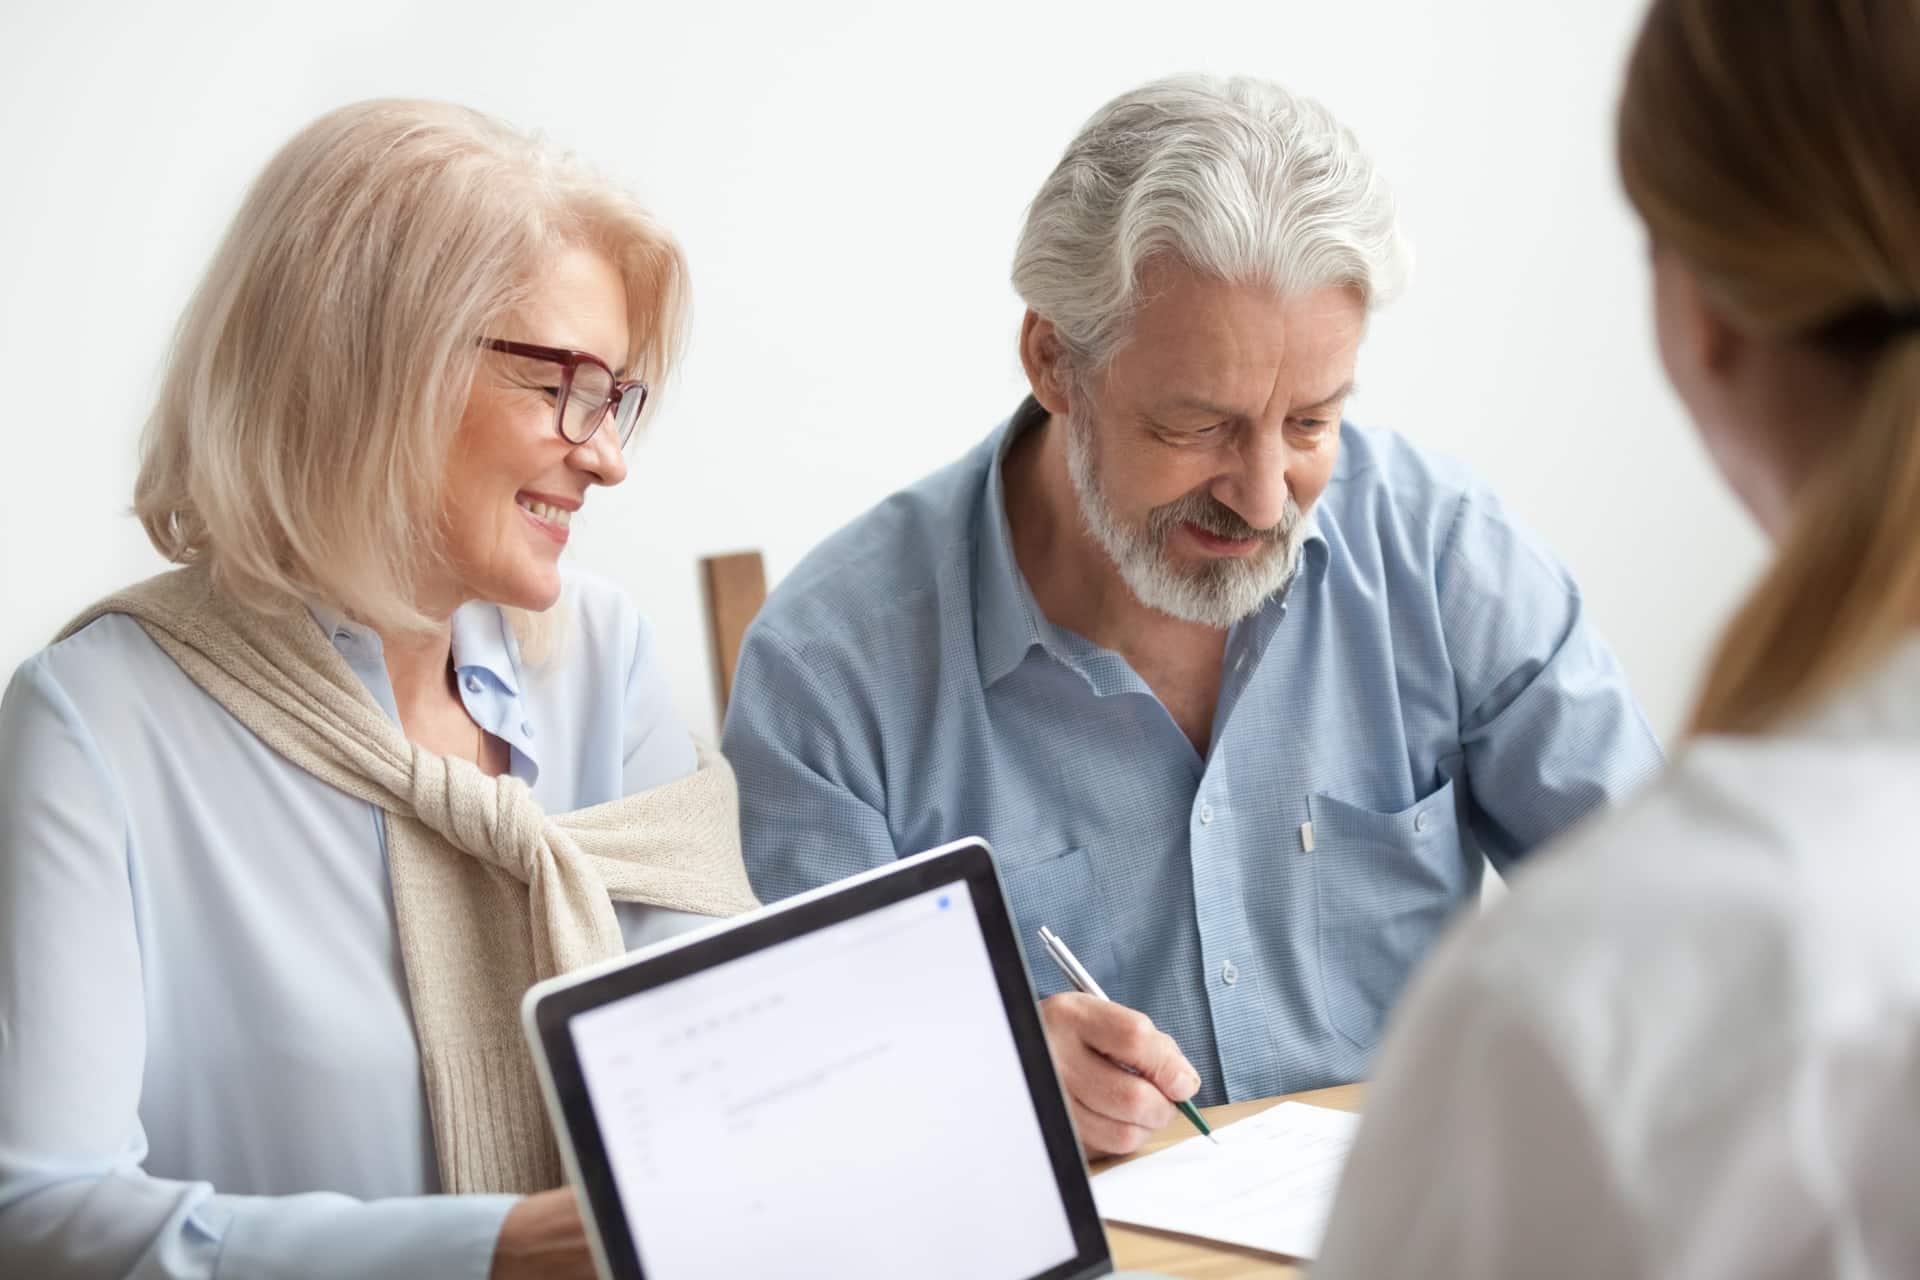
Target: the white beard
(1215, 594)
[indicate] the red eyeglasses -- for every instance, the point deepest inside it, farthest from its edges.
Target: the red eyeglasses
(587, 390)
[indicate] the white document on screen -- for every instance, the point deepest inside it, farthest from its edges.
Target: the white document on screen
(849, 1103)
(1269, 1184)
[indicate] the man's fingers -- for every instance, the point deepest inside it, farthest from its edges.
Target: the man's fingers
(1094, 1082)
(1103, 1136)
(1129, 1038)
(1113, 1110)
(1100, 1087)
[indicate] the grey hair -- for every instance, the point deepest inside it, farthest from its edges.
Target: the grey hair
(1235, 177)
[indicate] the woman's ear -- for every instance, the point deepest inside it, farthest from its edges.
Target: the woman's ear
(1744, 393)
(1045, 358)
(1702, 352)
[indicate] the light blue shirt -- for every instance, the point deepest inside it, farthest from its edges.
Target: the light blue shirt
(207, 1057)
(1428, 689)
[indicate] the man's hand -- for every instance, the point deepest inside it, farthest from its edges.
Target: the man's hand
(1092, 1041)
(542, 1239)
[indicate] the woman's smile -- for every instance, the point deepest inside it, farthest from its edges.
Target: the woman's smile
(550, 515)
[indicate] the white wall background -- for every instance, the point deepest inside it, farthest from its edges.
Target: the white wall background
(848, 179)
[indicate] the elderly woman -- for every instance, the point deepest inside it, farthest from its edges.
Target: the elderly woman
(275, 855)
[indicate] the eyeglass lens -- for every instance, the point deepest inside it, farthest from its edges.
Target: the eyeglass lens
(586, 402)
(631, 403)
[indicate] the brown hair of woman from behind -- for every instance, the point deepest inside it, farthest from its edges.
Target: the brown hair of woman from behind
(1774, 146)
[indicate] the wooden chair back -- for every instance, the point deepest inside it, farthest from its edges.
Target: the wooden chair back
(735, 586)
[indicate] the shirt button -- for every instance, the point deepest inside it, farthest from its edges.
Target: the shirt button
(1422, 820)
(526, 728)
(473, 684)
(1229, 974)
(1206, 813)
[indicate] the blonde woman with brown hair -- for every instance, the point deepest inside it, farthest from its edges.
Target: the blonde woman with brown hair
(285, 833)
(1689, 1045)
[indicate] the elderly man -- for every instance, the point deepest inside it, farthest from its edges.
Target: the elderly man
(1239, 693)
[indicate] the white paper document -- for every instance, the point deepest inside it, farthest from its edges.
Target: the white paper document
(1268, 1185)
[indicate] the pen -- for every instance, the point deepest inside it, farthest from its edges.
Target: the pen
(1083, 981)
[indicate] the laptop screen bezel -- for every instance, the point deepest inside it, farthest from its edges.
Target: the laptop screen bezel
(969, 860)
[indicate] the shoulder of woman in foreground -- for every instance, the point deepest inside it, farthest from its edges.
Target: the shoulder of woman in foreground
(1748, 861)
(1699, 1010)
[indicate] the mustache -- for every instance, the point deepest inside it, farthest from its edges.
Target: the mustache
(1207, 512)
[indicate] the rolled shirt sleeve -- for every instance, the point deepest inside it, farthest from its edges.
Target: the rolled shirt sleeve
(1548, 725)
(811, 809)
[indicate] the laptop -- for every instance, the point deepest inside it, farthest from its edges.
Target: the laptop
(851, 1083)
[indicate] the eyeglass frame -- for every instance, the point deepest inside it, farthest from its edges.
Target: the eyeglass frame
(570, 360)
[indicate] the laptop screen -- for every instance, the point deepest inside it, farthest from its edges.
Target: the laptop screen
(850, 1101)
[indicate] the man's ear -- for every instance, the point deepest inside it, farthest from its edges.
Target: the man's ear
(1045, 358)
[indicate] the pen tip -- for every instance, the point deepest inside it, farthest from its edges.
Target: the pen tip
(1215, 1141)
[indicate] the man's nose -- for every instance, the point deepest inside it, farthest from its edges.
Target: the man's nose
(1257, 487)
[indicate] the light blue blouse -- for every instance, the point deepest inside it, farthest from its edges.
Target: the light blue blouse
(207, 1059)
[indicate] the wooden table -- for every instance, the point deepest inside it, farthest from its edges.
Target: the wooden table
(1189, 1258)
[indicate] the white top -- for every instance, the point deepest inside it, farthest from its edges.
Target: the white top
(207, 1057)
(1688, 1046)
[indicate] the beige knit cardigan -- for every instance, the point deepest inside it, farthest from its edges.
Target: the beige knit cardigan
(489, 893)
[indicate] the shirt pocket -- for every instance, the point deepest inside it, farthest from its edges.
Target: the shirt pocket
(1058, 890)
(1385, 886)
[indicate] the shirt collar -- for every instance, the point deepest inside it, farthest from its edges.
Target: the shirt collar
(483, 641)
(336, 626)
(1313, 545)
(486, 660)
(1881, 703)
(1008, 622)
(1007, 619)
(359, 646)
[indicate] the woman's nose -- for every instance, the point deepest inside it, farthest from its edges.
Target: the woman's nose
(601, 456)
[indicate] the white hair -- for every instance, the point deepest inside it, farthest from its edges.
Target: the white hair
(1236, 178)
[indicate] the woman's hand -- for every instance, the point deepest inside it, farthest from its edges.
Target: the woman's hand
(542, 1239)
